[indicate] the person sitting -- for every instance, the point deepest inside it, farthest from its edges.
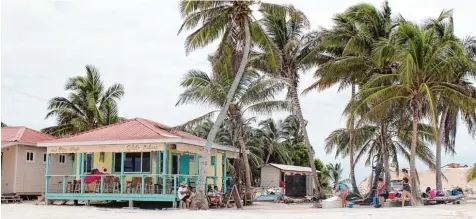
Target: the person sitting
(212, 196)
(191, 194)
(182, 194)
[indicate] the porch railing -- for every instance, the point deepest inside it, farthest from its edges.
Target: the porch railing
(164, 184)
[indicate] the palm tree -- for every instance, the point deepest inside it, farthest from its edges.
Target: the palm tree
(90, 105)
(442, 27)
(255, 94)
(471, 174)
(273, 141)
(233, 22)
(348, 45)
(335, 174)
(4, 125)
(425, 62)
(287, 28)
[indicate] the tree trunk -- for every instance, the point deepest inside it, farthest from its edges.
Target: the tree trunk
(267, 159)
(439, 142)
(413, 173)
(385, 155)
(199, 201)
(297, 109)
(241, 140)
(351, 150)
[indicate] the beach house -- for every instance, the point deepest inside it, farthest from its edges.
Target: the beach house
(24, 163)
(134, 160)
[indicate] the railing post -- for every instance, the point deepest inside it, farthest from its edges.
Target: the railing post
(175, 184)
(157, 166)
(47, 171)
(164, 170)
(65, 179)
(123, 157)
(82, 183)
(101, 189)
(142, 187)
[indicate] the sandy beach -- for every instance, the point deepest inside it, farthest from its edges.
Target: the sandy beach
(259, 211)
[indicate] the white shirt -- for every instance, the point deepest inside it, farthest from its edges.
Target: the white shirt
(180, 190)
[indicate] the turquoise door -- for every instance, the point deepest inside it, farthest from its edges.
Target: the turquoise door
(184, 167)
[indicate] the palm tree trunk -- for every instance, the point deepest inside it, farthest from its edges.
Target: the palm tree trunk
(267, 159)
(413, 173)
(200, 200)
(297, 109)
(241, 140)
(351, 150)
(441, 140)
(385, 156)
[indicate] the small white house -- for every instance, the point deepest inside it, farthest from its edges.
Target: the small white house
(24, 163)
(272, 174)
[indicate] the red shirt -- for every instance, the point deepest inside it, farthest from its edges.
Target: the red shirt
(282, 184)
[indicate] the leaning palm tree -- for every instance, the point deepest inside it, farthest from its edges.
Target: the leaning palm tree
(334, 172)
(255, 94)
(232, 21)
(89, 105)
(287, 28)
(471, 174)
(425, 63)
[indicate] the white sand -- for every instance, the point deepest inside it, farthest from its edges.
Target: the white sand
(260, 211)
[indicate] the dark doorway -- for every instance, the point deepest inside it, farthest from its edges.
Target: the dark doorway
(175, 164)
(295, 185)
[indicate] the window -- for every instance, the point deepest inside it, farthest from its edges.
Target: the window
(88, 163)
(61, 159)
(134, 162)
(30, 157)
(192, 158)
(44, 158)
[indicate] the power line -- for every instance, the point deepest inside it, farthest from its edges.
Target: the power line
(23, 93)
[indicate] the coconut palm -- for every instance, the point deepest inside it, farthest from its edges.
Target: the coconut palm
(232, 21)
(334, 172)
(287, 28)
(273, 142)
(442, 28)
(425, 62)
(348, 45)
(89, 105)
(255, 94)
(471, 174)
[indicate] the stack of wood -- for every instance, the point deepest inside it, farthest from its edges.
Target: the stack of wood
(11, 199)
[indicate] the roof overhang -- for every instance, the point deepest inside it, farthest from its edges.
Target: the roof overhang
(139, 141)
(18, 143)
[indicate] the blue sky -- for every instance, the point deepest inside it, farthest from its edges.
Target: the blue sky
(135, 43)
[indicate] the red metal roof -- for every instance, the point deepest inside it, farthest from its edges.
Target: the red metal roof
(23, 134)
(132, 129)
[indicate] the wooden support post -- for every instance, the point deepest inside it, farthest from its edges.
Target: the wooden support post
(131, 204)
(123, 157)
(81, 173)
(74, 167)
(225, 162)
(175, 185)
(142, 187)
(215, 162)
(101, 188)
(164, 169)
(47, 173)
(65, 180)
(157, 166)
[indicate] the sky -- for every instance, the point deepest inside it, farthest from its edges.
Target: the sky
(135, 43)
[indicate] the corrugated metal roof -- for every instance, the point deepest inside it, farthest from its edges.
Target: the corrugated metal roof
(291, 168)
(132, 129)
(21, 134)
